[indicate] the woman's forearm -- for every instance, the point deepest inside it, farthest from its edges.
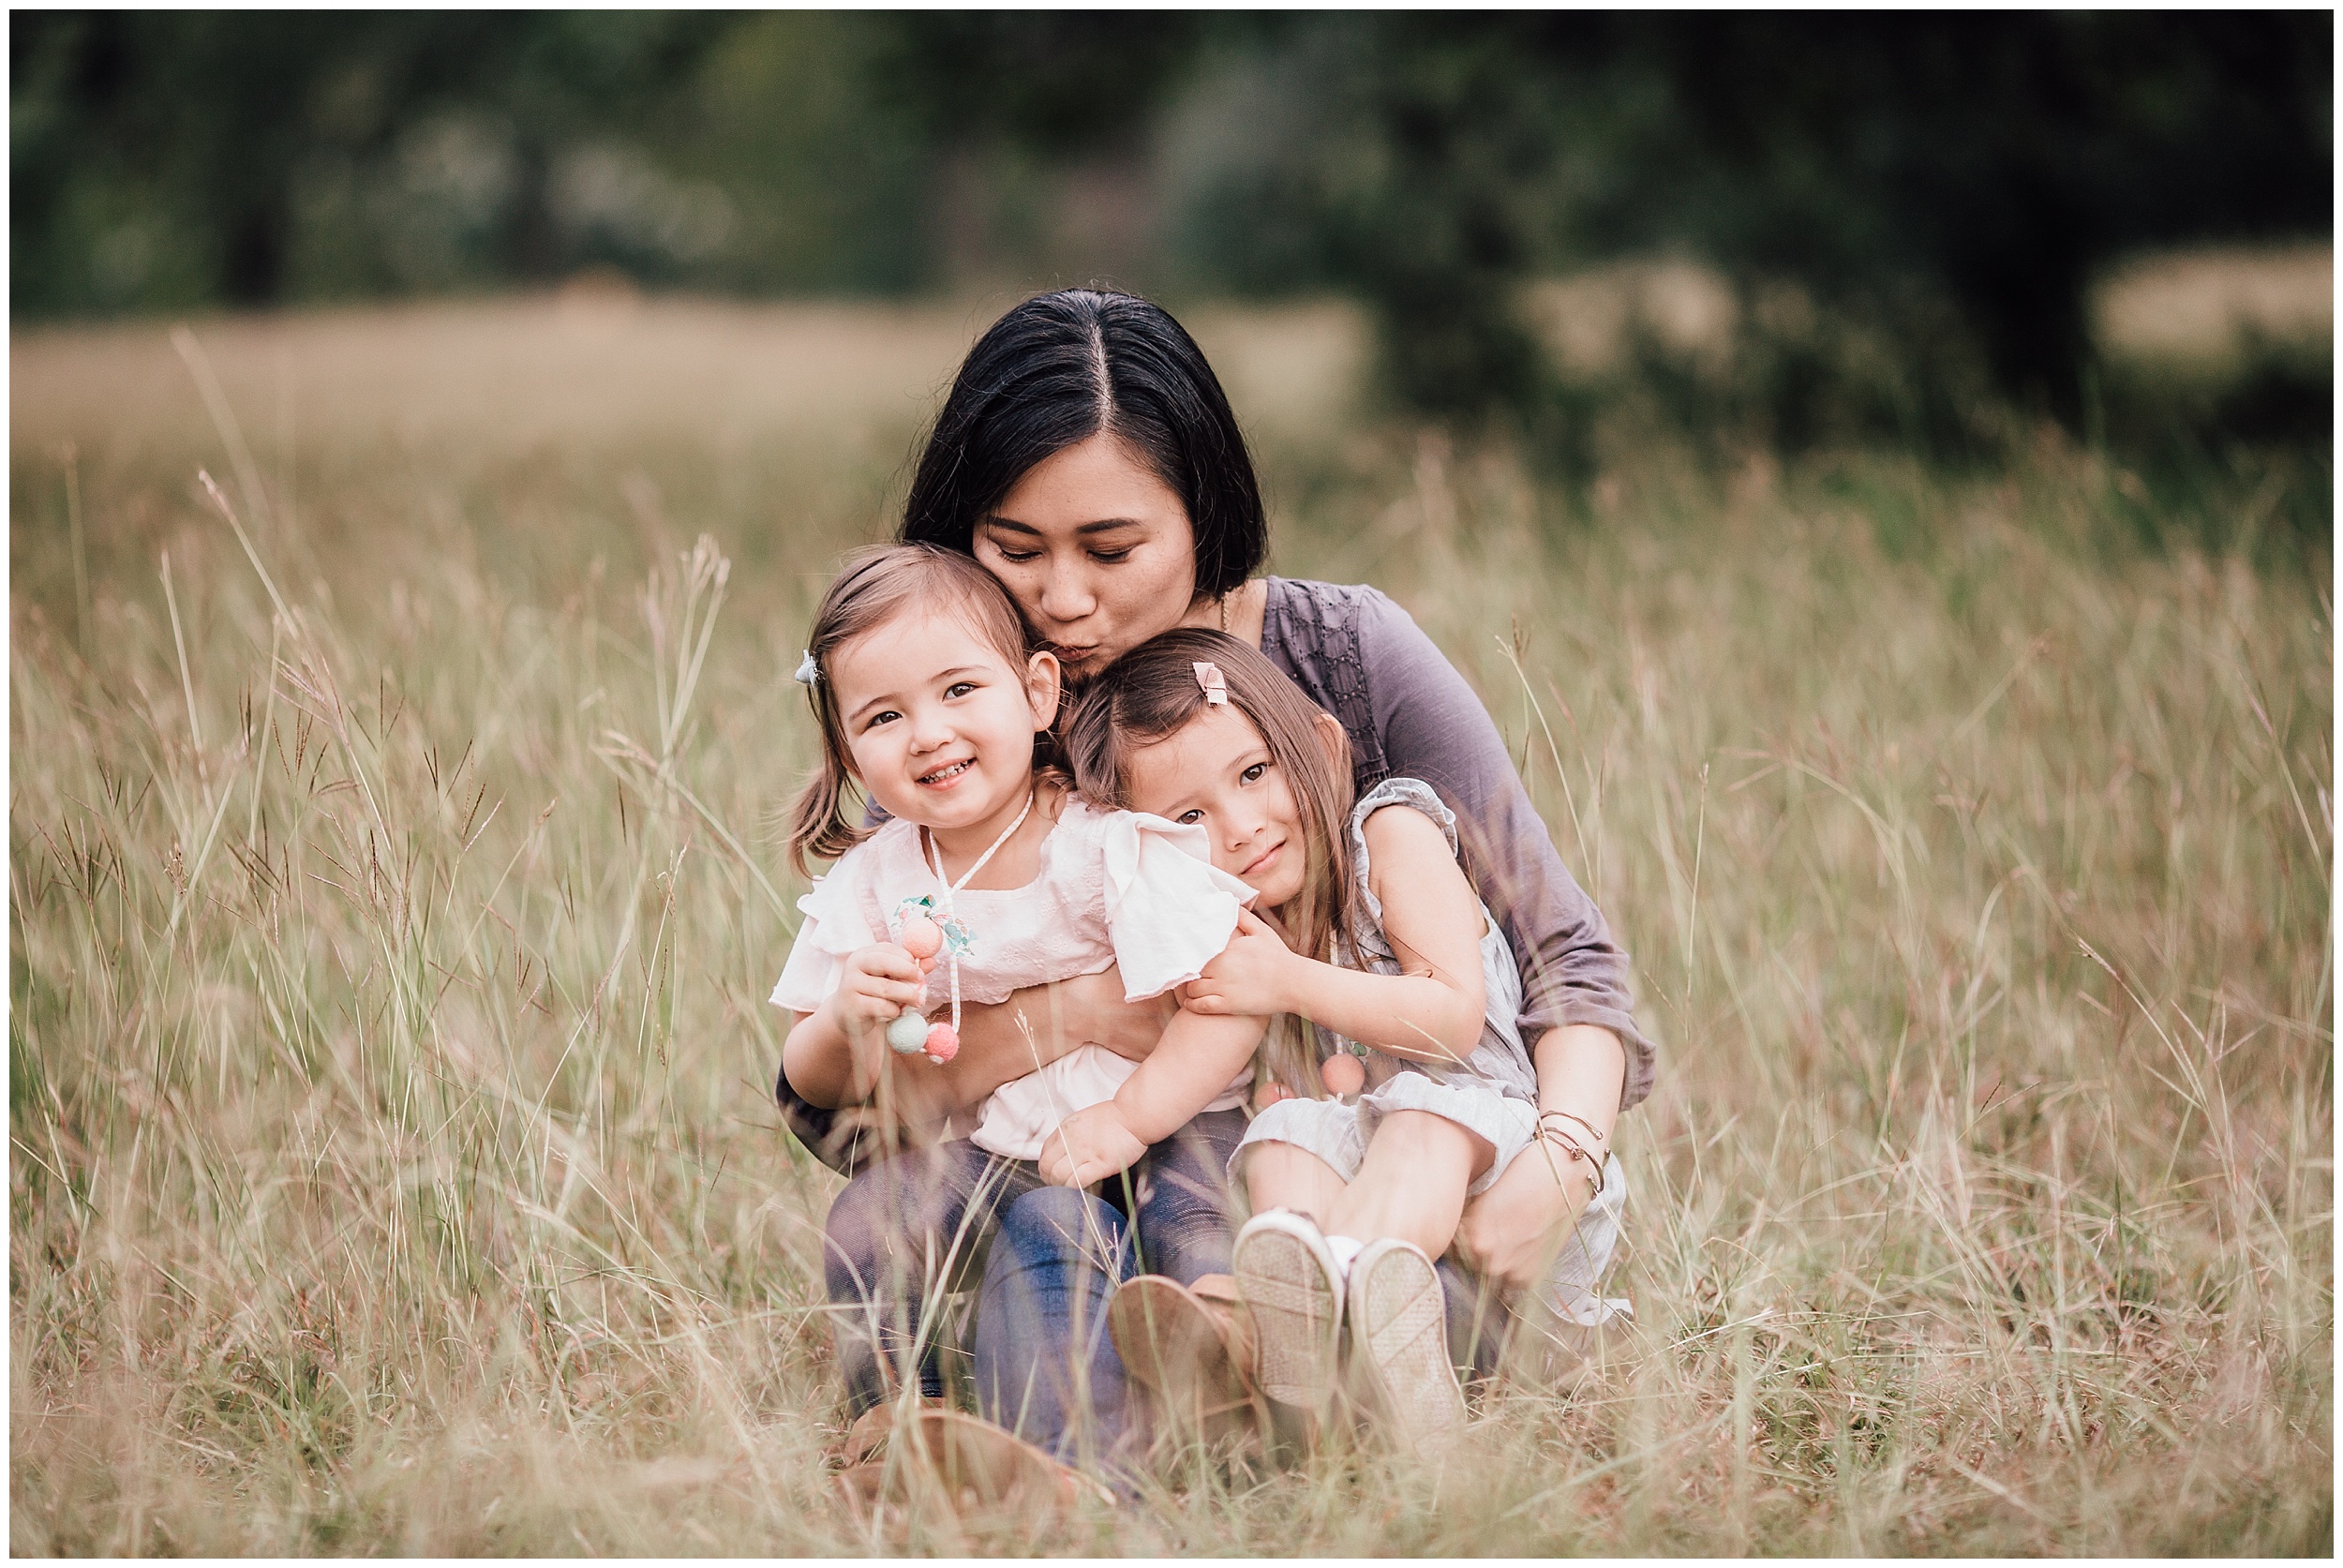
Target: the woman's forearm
(1581, 1069)
(1509, 1233)
(998, 1042)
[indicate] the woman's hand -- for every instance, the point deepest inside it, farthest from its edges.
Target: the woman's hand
(1510, 1234)
(1089, 1146)
(1250, 977)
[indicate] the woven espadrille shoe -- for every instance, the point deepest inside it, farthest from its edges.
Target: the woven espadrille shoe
(1399, 1343)
(1287, 1278)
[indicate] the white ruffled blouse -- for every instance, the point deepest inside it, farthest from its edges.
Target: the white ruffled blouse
(1114, 888)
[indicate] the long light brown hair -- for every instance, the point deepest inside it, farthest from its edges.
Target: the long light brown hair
(875, 585)
(1152, 691)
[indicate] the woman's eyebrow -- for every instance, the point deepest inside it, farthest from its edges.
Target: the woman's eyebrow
(1101, 526)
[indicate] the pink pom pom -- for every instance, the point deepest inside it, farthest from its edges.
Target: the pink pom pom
(1342, 1075)
(943, 1043)
(921, 936)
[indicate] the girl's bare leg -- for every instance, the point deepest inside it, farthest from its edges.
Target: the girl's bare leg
(1288, 1176)
(1411, 1184)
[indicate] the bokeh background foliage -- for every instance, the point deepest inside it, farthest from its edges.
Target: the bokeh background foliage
(396, 871)
(1957, 182)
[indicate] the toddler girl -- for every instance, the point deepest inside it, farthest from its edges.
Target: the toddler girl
(989, 877)
(1367, 928)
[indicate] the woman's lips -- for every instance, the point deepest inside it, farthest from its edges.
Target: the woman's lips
(1070, 655)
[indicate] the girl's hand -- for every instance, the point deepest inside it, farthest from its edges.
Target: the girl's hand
(1249, 978)
(1089, 1146)
(879, 982)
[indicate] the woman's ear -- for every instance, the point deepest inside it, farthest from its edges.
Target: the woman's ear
(1044, 685)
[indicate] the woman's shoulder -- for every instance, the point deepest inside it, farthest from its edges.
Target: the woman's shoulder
(1305, 604)
(1342, 640)
(1309, 619)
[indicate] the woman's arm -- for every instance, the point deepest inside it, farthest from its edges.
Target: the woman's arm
(1429, 724)
(1432, 1012)
(819, 1079)
(1510, 1233)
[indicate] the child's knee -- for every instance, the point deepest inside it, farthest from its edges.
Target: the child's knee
(1283, 1175)
(1423, 1135)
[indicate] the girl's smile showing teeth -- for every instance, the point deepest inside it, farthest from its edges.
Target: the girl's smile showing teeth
(938, 722)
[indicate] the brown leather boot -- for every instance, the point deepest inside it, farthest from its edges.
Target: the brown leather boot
(965, 1461)
(1191, 1349)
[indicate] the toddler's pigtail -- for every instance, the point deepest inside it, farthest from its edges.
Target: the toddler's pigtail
(818, 826)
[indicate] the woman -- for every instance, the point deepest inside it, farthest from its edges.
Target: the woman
(1087, 457)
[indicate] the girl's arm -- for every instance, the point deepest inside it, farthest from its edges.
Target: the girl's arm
(1428, 723)
(1431, 1013)
(1190, 1066)
(837, 1054)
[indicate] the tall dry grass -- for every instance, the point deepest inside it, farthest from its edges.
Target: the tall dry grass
(397, 886)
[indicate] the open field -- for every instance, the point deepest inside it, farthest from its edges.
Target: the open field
(393, 1166)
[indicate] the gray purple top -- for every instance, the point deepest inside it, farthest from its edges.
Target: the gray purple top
(1408, 713)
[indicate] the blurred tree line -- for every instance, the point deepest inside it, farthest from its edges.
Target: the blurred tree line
(1948, 184)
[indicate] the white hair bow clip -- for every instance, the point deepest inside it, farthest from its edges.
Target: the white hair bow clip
(809, 673)
(1214, 685)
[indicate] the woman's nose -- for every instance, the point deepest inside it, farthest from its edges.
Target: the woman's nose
(1066, 595)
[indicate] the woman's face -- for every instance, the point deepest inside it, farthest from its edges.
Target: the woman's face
(1096, 550)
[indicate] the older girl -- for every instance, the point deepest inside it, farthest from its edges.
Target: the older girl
(1401, 1001)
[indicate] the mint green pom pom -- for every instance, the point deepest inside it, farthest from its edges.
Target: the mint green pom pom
(906, 1034)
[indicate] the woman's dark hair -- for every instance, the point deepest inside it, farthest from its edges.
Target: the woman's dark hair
(1056, 371)
(1149, 695)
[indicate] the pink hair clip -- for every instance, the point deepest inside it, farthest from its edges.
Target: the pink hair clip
(1215, 686)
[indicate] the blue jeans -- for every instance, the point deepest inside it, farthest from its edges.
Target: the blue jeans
(909, 1229)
